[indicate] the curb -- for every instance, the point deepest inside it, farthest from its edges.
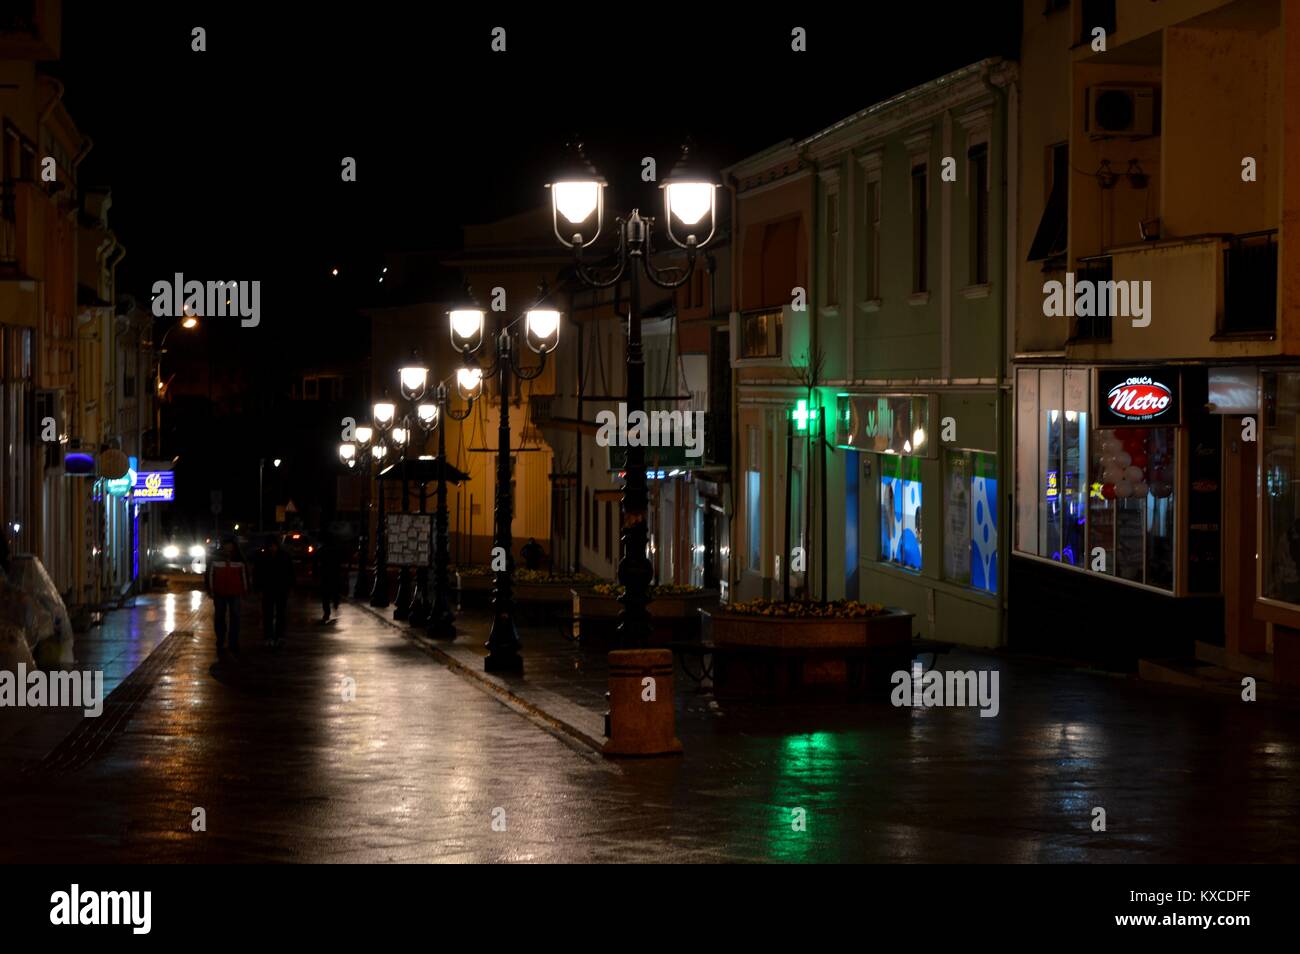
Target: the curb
(541, 705)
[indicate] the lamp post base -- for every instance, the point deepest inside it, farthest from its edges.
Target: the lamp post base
(379, 596)
(503, 647)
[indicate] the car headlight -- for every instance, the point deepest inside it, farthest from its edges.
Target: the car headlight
(197, 552)
(171, 551)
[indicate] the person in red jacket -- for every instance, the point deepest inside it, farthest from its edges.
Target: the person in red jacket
(227, 582)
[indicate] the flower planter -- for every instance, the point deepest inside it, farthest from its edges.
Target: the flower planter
(532, 597)
(674, 616)
(784, 657)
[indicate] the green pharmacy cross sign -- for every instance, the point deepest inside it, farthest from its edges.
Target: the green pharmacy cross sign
(801, 414)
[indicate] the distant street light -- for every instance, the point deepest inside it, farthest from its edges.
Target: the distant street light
(542, 332)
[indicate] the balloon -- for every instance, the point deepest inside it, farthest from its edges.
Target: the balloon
(1111, 447)
(1159, 475)
(1140, 460)
(1123, 458)
(1133, 474)
(1123, 488)
(1108, 491)
(1141, 489)
(1141, 433)
(1162, 489)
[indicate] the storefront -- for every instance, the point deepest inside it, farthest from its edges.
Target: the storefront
(1120, 510)
(921, 507)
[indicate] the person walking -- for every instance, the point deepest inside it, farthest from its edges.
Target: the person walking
(228, 583)
(329, 576)
(274, 578)
(533, 554)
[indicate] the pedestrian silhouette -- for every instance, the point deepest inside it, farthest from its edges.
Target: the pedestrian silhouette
(533, 555)
(228, 583)
(329, 576)
(274, 578)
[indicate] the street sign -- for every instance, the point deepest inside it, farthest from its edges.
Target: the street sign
(216, 503)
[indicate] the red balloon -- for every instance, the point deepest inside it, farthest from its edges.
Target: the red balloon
(1139, 459)
(1140, 433)
(1108, 491)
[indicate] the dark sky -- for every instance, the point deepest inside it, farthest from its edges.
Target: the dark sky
(226, 163)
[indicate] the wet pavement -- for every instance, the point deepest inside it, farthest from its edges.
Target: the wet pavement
(424, 764)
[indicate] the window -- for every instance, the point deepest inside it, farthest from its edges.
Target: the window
(1131, 510)
(609, 530)
(1281, 530)
(920, 238)
(873, 240)
(970, 507)
(761, 334)
(1123, 503)
(978, 158)
(900, 511)
(832, 248)
(753, 519)
(1050, 239)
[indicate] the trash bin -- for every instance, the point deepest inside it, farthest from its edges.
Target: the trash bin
(641, 716)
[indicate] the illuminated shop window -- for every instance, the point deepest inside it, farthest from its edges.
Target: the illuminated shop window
(900, 511)
(1281, 527)
(1131, 504)
(970, 522)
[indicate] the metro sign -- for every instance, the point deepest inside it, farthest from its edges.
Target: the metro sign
(1140, 399)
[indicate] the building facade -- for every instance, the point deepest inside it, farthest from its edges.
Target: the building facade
(1157, 334)
(870, 358)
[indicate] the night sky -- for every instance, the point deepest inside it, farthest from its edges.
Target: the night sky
(226, 164)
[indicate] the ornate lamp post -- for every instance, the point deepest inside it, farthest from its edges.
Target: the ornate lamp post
(384, 413)
(364, 435)
(413, 379)
(578, 205)
(442, 621)
(542, 334)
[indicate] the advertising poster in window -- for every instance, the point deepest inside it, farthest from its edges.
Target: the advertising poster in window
(900, 511)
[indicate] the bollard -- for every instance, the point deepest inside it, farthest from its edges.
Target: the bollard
(641, 717)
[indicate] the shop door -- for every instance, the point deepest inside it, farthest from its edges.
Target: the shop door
(1244, 633)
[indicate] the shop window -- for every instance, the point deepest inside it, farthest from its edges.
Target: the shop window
(1131, 511)
(1281, 529)
(970, 508)
(900, 511)
(1052, 439)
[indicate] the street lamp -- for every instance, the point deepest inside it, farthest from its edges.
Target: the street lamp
(690, 206)
(364, 435)
(542, 332)
(441, 620)
(382, 414)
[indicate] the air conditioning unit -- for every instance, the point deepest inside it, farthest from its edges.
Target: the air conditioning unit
(1127, 112)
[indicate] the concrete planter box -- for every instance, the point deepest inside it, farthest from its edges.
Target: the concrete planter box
(675, 616)
(476, 591)
(775, 657)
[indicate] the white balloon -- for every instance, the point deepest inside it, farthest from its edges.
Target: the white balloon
(1123, 458)
(1111, 447)
(1140, 488)
(1112, 474)
(1133, 474)
(1123, 488)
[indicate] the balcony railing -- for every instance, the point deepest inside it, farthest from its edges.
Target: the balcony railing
(1096, 327)
(1250, 284)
